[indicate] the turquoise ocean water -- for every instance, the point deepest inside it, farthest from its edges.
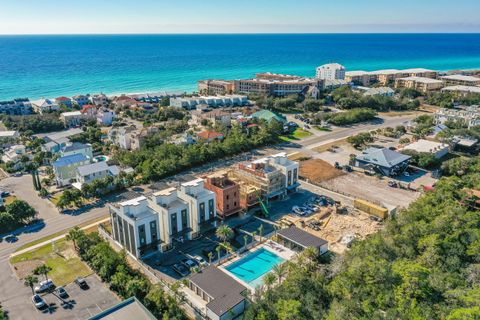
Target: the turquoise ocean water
(49, 66)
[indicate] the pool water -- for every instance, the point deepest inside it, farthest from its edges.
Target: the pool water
(254, 266)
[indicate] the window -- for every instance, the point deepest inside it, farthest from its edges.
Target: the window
(184, 219)
(202, 212)
(228, 196)
(211, 209)
(141, 234)
(153, 230)
(295, 175)
(289, 178)
(173, 222)
(235, 204)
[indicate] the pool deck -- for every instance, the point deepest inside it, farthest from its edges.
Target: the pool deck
(270, 246)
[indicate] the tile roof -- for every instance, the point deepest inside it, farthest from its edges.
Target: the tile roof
(225, 291)
(301, 237)
(209, 135)
(268, 115)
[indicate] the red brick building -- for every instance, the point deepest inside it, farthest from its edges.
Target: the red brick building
(227, 193)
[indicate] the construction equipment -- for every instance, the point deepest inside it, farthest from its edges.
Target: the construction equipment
(262, 205)
(326, 223)
(371, 208)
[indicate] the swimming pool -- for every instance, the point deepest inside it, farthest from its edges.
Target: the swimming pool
(254, 266)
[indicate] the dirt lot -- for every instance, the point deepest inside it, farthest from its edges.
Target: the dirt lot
(354, 223)
(371, 188)
(317, 170)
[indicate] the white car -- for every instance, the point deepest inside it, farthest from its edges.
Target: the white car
(38, 302)
(44, 286)
(200, 260)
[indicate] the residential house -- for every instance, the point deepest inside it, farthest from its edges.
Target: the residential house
(268, 116)
(81, 100)
(71, 148)
(214, 116)
(125, 137)
(65, 168)
(191, 103)
(93, 171)
(470, 116)
(105, 116)
(224, 297)
(383, 161)
(89, 111)
(210, 136)
(72, 118)
(8, 138)
(44, 106)
(227, 193)
(20, 106)
(124, 101)
(184, 138)
(14, 154)
(67, 102)
(99, 100)
(55, 141)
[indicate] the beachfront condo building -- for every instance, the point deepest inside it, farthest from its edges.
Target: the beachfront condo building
(387, 76)
(462, 91)
(191, 103)
(215, 87)
(147, 225)
(19, 106)
(276, 86)
(421, 84)
(460, 80)
(331, 71)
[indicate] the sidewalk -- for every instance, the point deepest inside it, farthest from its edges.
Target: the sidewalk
(41, 244)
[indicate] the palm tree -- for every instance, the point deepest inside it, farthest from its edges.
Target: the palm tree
(210, 256)
(224, 232)
(254, 233)
(260, 232)
(30, 281)
(43, 269)
(218, 249)
(269, 280)
(245, 239)
(280, 270)
(73, 235)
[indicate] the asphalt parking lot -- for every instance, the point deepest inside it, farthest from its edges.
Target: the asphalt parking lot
(81, 304)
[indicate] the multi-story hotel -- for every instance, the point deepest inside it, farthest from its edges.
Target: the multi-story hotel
(462, 90)
(460, 80)
(147, 225)
(419, 83)
(331, 71)
(277, 86)
(215, 87)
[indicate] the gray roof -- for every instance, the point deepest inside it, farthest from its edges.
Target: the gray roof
(301, 237)
(59, 135)
(92, 168)
(225, 291)
(383, 157)
(75, 146)
(125, 310)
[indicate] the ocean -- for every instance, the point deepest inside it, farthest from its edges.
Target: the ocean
(50, 66)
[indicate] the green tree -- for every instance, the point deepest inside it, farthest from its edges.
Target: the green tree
(74, 235)
(42, 270)
(21, 210)
(224, 233)
(30, 281)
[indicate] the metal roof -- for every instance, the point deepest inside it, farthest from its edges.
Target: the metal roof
(383, 157)
(125, 310)
(301, 237)
(225, 291)
(71, 159)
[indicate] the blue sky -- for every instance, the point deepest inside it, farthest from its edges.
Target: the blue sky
(240, 16)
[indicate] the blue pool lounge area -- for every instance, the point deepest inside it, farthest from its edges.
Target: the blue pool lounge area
(251, 268)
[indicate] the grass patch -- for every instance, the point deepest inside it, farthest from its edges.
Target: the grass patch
(298, 134)
(10, 199)
(327, 146)
(65, 263)
(59, 233)
(322, 128)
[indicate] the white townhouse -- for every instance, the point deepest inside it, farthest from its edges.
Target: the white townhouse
(44, 105)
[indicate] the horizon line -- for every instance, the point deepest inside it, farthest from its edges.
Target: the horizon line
(232, 33)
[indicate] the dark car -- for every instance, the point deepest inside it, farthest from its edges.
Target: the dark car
(38, 302)
(61, 292)
(181, 269)
(82, 283)
(4, 194)
(10, 238)
(189, 263)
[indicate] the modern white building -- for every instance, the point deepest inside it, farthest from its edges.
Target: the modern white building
(72, 148)
(331, 71)
(470, 116)
(105, 116)
(72, 118)
(135, 226)
(211, 101)
(289, 169)
(202, 204)
(166, 218)
(14, 154)
(99, 100)
(65, 168)
(439, 150)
